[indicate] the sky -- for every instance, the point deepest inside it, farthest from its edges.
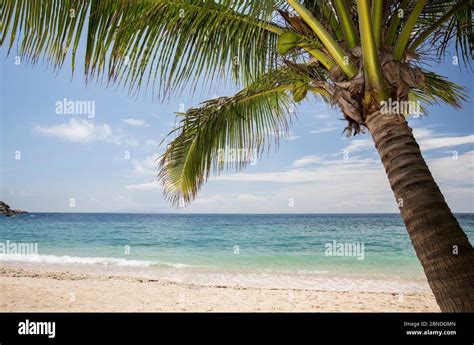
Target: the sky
(102, 159)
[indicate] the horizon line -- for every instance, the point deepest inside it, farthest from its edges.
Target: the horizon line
(232, 213)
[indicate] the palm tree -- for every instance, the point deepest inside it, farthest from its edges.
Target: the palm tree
(356, 54)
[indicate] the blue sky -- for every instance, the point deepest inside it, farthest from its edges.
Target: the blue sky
(50, 161)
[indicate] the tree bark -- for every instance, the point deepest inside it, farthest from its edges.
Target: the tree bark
(440, 243)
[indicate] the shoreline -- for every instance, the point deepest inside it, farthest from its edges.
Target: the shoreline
(37, 289)
(323, 280)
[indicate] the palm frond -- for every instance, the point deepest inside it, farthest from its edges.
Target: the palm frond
(444, 23)
(243, 124)
(407, 30)
(395, 13)
(324, 11)
(439, 89)
(43, 27)
(172, 42)
(335, 50)
(345, 17)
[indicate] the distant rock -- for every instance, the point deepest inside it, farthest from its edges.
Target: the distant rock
(7, 211)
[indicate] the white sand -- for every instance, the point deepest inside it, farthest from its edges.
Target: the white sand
(55, 290)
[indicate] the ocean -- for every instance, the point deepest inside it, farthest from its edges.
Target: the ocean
(366, 252)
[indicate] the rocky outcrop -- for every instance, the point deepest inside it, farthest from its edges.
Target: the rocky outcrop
(7, 211)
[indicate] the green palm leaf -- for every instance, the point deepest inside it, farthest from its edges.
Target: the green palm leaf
(443, 23)
(243, 124)
(171, 42)
(439, 89)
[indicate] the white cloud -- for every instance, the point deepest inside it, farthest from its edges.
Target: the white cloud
(359, 145)
(154, 185)
(422, 133)
(77, 131)
(207, 201)
(430, 140)
(135, 122)
(444, 142)
(322, 116)
(358, 184)
(334, 185)
(147, 167)
(306, 160)
(84, 132)
(454, 169)
(323, 130)
(242, 200)
(249, 198)
(327, 171)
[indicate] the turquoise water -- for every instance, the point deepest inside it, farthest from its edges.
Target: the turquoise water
(231, 244)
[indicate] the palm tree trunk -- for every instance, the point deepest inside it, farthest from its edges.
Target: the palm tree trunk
(441, 245)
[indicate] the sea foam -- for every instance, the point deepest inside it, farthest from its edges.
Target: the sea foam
(66, 259)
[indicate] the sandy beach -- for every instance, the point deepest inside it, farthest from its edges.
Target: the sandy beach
(26, 289)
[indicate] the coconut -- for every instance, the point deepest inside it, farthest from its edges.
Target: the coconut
(286, 42)
(300, 89)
